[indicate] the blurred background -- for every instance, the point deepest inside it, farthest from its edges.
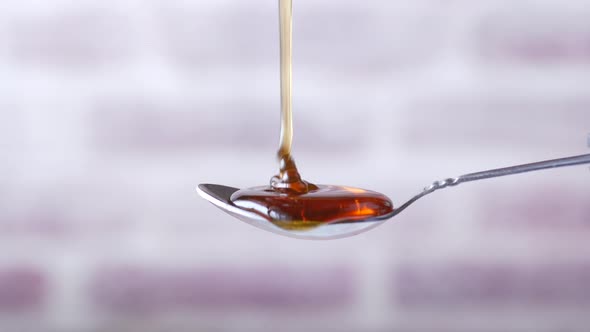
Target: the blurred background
(113, 111)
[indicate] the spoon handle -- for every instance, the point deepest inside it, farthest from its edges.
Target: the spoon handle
(554, 163)
(541, 165)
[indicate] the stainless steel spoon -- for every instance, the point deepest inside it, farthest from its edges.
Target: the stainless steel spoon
(220, 196)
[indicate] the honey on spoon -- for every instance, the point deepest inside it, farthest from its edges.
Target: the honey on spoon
(293, 207)
(290, 202)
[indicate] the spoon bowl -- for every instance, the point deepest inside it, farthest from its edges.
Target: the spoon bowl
(220, 196)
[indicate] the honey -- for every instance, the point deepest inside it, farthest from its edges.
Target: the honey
(324, 204)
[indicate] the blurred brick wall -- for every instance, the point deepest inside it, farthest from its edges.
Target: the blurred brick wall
(112, 112)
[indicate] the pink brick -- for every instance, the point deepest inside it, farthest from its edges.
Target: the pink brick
(355, 41)
(457, 285)
(545, 208)
(234, 36)
(157, 125)
(74, 39)
(21, 289)
(38, 219)
(60, 212)
(144, 289)
(487, 122)
(561, 37)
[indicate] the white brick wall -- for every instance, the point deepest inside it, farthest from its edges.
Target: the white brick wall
(114, 110)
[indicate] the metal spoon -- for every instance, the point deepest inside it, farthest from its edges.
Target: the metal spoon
(220, 196)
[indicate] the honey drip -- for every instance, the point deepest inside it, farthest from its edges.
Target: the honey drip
(290, 202)
(288, 179)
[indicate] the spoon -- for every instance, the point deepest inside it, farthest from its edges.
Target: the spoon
(219, 195)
